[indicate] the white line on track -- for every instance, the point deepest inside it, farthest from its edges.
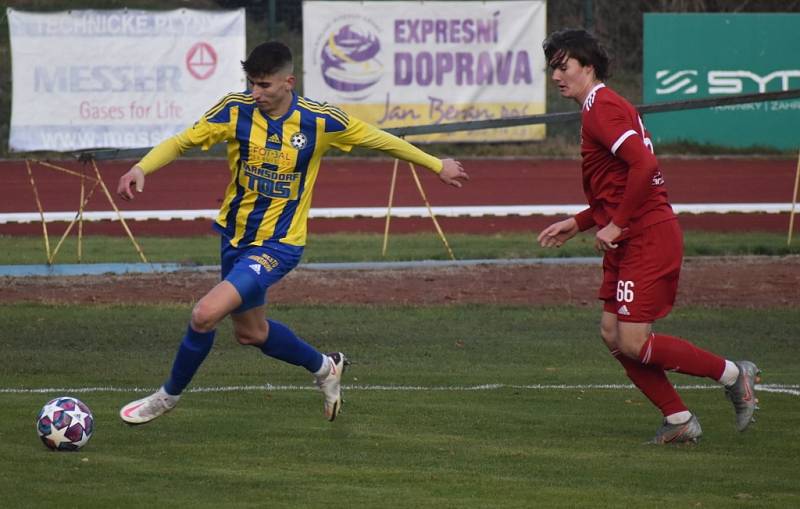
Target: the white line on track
(791, 389)
(380, 212)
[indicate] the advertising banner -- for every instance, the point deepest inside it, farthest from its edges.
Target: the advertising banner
(689, 56)
(86, 79)
(415, 63)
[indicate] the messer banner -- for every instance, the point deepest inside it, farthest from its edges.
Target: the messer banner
(118, 78)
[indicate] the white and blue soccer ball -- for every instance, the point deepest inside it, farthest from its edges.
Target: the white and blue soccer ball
(65, 424)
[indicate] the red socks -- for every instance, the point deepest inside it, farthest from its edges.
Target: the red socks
(674, 354)
(662, 353)
(653, 383)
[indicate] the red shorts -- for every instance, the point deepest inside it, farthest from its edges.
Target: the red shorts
(640, 277)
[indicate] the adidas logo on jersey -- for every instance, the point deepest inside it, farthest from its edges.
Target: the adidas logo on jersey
(623, 310)
(256, 268)
(273, 139)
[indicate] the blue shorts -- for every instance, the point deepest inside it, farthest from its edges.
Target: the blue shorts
(253, 269)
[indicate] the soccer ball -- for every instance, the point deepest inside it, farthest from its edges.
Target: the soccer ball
(65, 424)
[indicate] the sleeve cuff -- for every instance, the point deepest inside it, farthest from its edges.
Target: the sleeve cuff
(584, 219)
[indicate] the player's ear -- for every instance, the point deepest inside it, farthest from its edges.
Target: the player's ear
(290, 81)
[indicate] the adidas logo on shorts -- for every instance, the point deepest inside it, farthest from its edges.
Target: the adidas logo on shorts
(256, 268)
(623, 310)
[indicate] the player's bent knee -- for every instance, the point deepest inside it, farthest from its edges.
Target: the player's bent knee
(610, 336)
(630, 348)
(632, 337)
(610, 341)
(203, 319)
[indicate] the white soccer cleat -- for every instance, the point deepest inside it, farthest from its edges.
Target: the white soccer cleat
(331, 385)
(146, 409)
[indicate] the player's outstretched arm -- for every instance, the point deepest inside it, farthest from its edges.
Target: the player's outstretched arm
(452, 173)
(134, 178)
(201, 134)
(558, 233)
(365, 135)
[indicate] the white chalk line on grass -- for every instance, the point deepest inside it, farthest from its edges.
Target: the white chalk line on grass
(791, 389)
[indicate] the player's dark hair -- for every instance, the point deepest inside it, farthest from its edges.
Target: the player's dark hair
(580, 45)
(268, 58)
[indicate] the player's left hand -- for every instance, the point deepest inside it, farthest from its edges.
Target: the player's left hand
(604, 240)
(452, 173)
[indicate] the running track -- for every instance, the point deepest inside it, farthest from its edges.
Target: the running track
(355, 182)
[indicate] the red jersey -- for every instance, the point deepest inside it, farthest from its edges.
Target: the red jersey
(621, 179)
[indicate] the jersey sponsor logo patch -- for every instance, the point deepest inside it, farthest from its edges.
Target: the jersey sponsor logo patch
(274, 139)
(658, 179)
(298, 141)
(271, 182)
(623, 310)
(256, 156)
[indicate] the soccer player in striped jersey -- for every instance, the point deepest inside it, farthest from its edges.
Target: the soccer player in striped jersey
(641, 242)
(275, 141)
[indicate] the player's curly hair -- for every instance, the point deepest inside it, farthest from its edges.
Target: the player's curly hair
(580, 45)
(268, 58)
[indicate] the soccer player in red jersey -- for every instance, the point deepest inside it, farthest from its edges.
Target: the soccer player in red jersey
(641, 241)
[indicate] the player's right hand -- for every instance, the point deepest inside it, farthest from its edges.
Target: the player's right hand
(133, 178)
(558, 233)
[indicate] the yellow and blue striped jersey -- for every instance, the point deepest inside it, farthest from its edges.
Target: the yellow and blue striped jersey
(274, 161)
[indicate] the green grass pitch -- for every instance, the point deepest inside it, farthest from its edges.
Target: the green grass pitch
(442, 437)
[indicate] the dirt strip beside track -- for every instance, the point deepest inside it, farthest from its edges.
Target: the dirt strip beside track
(751, 282)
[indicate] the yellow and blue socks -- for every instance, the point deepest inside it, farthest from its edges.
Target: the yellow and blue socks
(281, 343)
